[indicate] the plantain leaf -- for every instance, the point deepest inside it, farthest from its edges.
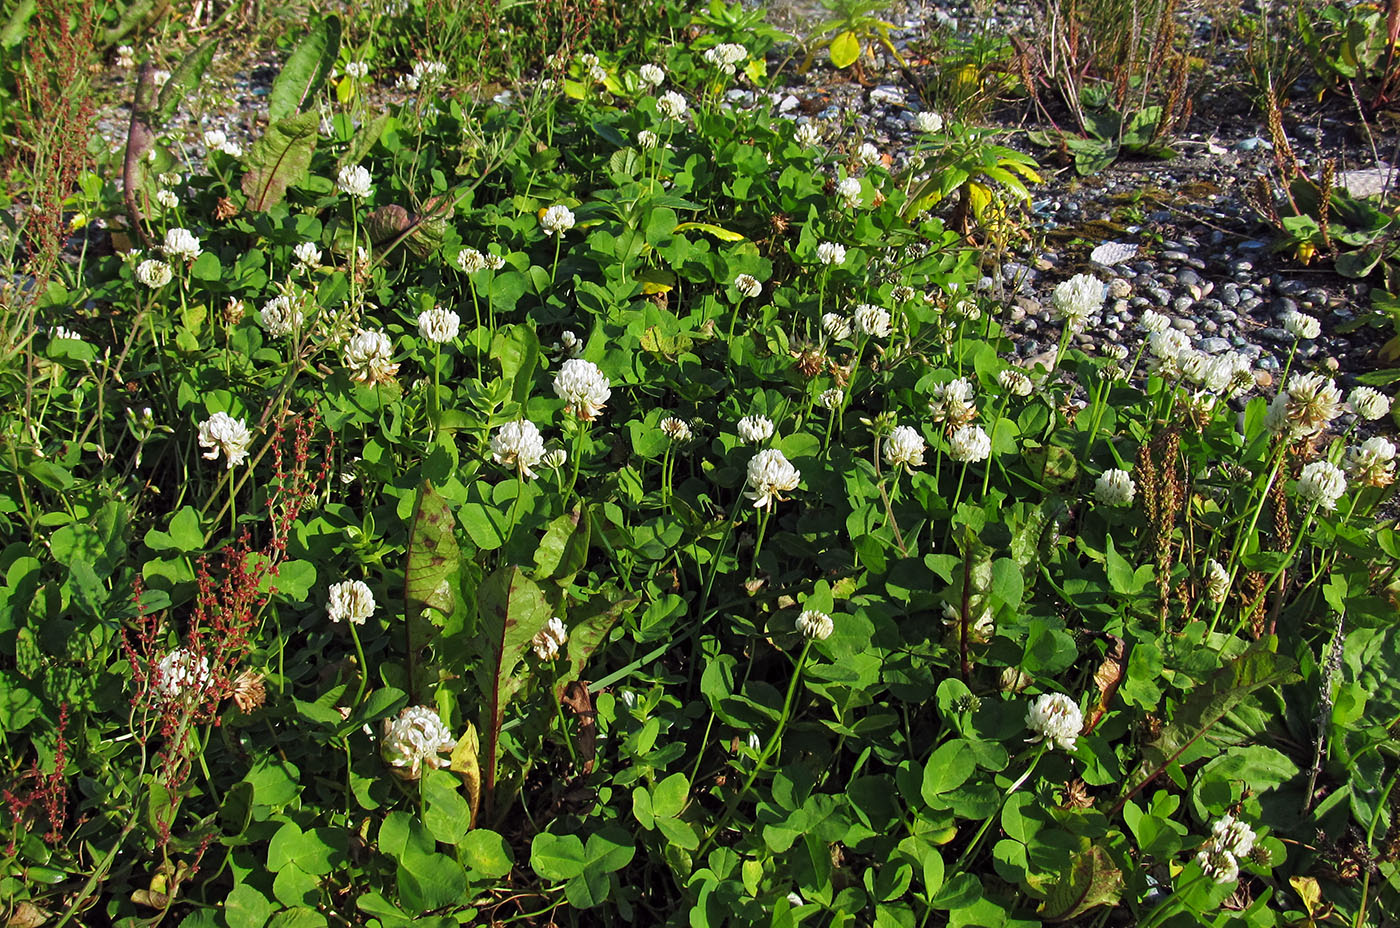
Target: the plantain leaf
(305, 71)
(433, 560)
(17, 25)
(589, 625)
(279, 159)
(184, 81)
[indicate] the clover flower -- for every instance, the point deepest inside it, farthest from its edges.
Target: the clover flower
(214, 139)
(1305, 407)
(153, 273)
(970, 444)
(1153, 322)
(651, 75)
(583, 387)
(868, 154)
(569, 344)
(180, 672)
(952, 403)
(439, 325)
(368, 355)
(830, 253)
(1078, 298)
(815, 625)
(518, 444)
(59, 331)
(648, 139)
(754, 430)
(671, 105)
(849, 192)
(809, 133)
(1372, 463)
(358, 70)
(232, 149)
(928, 122)
(726, 56)
(550, 639)
(1219, 864)
(469, 261)
(424, 73)
(1301, 326)
(167, 198)
(904, 446)
(675, 429)
(770, 474)
(558, 218)
(1115, 488)
(494, 261)
(836, 326)
(748, 285)
(831, 399)
(1368, 403)
(279, 316)
(350, 601)
(873, 321)
(354, 181)
(416, 737)
(126, 56)
(554, 458)
(1322, 484)
(1055, 718)
(1217, 581)
(223, 433)
(1233, 835)
(1015, 382)
(308, 256)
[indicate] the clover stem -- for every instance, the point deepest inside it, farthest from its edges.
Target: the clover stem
(758, 545)
(1253, 521)
(360, 662)
(1001, 411)
(976, 841)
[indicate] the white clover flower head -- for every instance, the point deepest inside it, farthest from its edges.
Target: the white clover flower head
(1372, 463)
(726, 56)
(770, 475)
(748, 285)
(671, 105)
(675, 429)
(569, 344)
(873, 321)
(970, 444)
(167, 199)
(518, 444)
(126, 56)
(1217, 581)
(902, 293)
(438, 325)
(469, 261)
(1055, 718)
(583, 387)
(222, 433)
(904, 446)
(308, 256)
(1115, 487)
(1219, 864)
(427, 73)
(928, 122)
(357, 70)
(554, 458)
(815, 625)
(1322, 483)
(849, 192)
(809, 133)
(1078, 298)
(1368, 403)
(829, 253)
(558, 218)
(648, 139)
(181, 673)
(1304, 407)
(836, 326)
(597, 73)
(831, 399)
(354, 181)
(350, 601)
(952, 402)
(160, 77)
(1233, 835)
(232, 149)
(549, 640)
(651, 75)
(153, 273)
(369, 356)
(415, 738)
(279, 317)
(214, 139)
(1301, 326)
(1015, 382)
(868, 154)
(754, 430)
(587, 59)
(1153, 322)
(59, 331)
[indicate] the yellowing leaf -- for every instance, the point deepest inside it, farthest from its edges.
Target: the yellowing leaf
(345, 89)
(719, 232)
(466, 763)
(844, 49)
(656, 280)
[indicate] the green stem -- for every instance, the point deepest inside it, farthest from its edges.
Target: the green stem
(976, 841)
(758, 545)
(360, 662)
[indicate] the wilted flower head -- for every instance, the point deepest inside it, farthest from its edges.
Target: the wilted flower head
(770, 475)
(1056, 718)
(1219, 864)
(1300, 325)
(1115, 488)
(354, 181)
(748, 285)
(1368, 403)
(279, 317)
(873, 320)
(904, 446)
(1305, 406)
(1322, 484)
(558, 218)
(416, 737)
(1077, 299)
(1015, 382)
(836, 326)
(671, 105)
(726, 56)
(368, 355)
(350, 600)
(438, 325)
(815, 625)
(1217, 581)
(550, 639)
(1372, 463)
(829, 253)
(518, 444)
(153, 273)
(952, 402)
(582, 385)
(970, 444)
(651, 75)
(126, 56)
(223, 433)
(849, 192)
(179, 673)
